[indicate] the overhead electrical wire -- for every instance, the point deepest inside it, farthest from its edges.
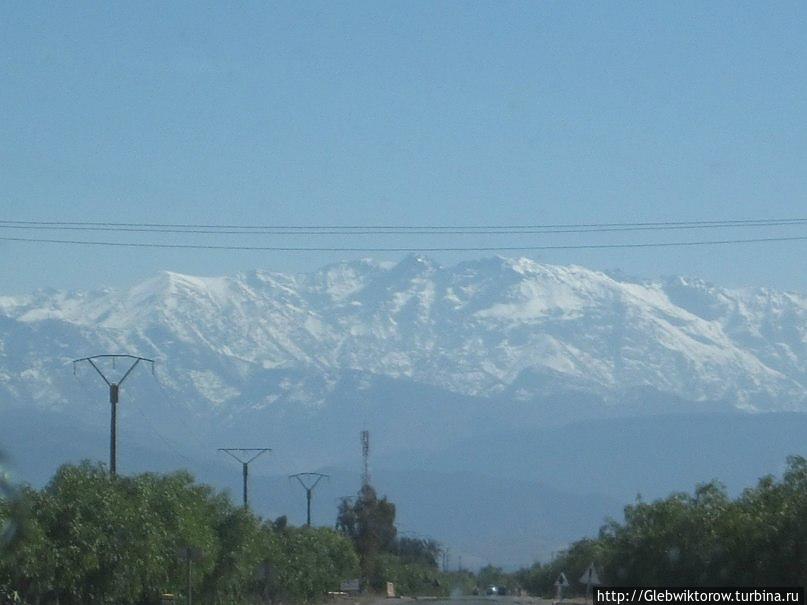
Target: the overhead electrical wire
(402, 248)
(184, 227)
(364, 230)
(355, 231)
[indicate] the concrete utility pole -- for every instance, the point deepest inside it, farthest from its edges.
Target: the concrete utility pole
(189, 554)
(309, 482)
(245, 462)
(190, 580)
(114, 392)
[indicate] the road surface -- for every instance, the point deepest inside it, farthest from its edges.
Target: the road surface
(466, 600)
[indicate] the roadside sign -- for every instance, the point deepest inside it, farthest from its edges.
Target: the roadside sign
(590, 577)
(560, 584)
(350, 585)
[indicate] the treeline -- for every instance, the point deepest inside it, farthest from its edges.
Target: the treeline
(699, 539)
(88, 538)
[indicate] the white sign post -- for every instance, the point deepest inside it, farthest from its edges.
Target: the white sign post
(560, 584)
(590, 578)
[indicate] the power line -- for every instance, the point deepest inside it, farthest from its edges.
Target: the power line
(170, 443)
(167, 398)
(161, 437)
(402, 248)
(353, 231)
(248, 228)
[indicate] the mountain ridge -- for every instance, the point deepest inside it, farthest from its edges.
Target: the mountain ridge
(518, 370)
(477, 328)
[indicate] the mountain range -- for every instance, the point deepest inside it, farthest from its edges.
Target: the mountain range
(450, 367)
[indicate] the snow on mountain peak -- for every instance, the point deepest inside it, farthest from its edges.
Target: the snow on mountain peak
(474, 328)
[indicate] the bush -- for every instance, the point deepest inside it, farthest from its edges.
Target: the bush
(89, 538)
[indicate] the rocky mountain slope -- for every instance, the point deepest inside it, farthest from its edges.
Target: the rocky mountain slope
(490, 328)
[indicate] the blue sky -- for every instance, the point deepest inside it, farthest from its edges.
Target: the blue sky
(427, 113)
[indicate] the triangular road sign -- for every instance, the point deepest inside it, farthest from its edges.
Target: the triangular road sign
(590, 577)
(562, 581)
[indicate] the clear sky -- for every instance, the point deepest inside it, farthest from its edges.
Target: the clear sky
(430, 113)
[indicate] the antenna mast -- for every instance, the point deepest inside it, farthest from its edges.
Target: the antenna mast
(365, 454)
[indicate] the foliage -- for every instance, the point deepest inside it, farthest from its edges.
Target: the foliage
(409, 563)
(89, 538)
(370, 523)
(540, 578)
(701, 539)
(409, 578)
(456, 583)
(311, 562)
(420, 551)
(495, 576)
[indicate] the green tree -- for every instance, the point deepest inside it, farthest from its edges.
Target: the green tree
(674, 541)
(701, 539)
(308, 562)
(27, 564)
(421, 551)
(491, 575)
(90, 538)
(766, 533)
(410, 578)
(370, 523)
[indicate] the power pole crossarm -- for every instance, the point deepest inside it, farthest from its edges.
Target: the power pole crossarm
(309, 482)
(247, 455)
(114, 395)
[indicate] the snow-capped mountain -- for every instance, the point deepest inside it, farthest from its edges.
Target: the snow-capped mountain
(494, 327)
(496, 369)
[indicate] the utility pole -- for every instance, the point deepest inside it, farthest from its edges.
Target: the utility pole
(309, 482)
(190, 580)
(114, 392)
(189, 554)
(245, 462)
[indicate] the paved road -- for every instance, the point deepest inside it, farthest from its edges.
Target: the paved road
(470, 600)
